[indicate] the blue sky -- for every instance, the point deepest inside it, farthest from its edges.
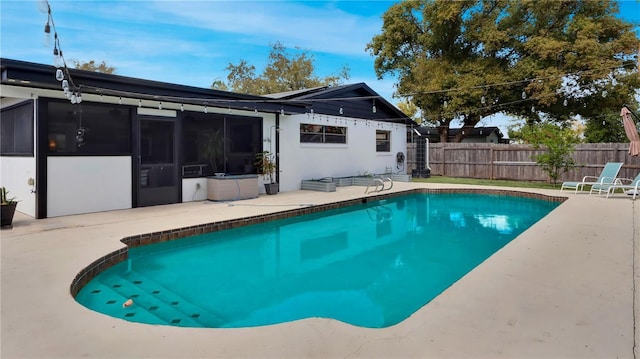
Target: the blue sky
(191, 42)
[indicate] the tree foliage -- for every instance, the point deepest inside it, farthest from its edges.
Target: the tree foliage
(92, 66)
(284, 72)
(557, 142)
(464, 60)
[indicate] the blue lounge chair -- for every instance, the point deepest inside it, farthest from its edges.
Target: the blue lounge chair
(628, 186)
(607, 177)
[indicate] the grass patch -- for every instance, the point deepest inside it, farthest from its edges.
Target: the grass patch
(486, 182)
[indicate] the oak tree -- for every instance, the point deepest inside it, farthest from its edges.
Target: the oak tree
(531, 59)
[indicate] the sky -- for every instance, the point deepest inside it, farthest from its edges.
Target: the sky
(192, 42)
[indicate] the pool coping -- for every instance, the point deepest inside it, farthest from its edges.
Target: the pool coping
(564, 288)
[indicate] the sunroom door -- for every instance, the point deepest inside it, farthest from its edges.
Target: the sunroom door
(158, 173)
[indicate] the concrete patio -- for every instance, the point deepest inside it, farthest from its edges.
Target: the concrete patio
(565, 288)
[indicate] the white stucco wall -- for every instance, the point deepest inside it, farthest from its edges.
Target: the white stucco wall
(301, 161)
(88, 184)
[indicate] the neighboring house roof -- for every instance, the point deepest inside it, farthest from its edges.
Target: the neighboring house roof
(356, 100)
(476, 132)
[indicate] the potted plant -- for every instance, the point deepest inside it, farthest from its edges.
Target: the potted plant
(8, 208)
(267, 169)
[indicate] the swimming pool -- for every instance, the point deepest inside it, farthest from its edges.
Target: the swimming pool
(372, 264)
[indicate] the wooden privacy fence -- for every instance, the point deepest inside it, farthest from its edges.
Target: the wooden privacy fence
(515, 162)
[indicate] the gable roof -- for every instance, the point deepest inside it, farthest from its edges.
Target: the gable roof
(355, 100)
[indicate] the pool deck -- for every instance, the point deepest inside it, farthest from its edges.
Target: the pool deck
(565, 288)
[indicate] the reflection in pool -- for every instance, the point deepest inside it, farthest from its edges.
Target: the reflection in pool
(370, 265)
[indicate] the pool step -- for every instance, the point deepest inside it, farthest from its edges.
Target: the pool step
(148, 303)
(110, 303)
(205, 317)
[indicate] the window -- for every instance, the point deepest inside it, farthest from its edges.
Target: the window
(383, 141)
(88, 129)
(16, 127)
(322, 134)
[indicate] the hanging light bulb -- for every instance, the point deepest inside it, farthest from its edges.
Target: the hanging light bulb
(604, 93)
(160, 105)
(524, 95)
(140, 103)
(255, 110)
(565, 102)
(65, 84)
(74, 98)
(533, 108)
(120, 101)
(43, 6)
(603, 122)
(78, 98)
(341, 110)
(181, 107)
(205, 109)
(483, 100)
(282, 110)
(58, 60)
(47, 34)
(445, 104)
(614, 82)
(59, 75)
(373, 108)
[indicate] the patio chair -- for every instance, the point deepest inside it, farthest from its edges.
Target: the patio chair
(628, 186)
(607, 177)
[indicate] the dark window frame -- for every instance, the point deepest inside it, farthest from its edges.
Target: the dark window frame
(383, 141)
(326, 134)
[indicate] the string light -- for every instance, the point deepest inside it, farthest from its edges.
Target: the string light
(373, 108)
(341, 111)
(181, 107)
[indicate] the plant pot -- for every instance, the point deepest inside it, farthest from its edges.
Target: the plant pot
(271, 188)
(7, 211)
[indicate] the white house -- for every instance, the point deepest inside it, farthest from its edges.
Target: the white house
(130, 142)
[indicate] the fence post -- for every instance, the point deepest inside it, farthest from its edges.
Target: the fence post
(491, 162)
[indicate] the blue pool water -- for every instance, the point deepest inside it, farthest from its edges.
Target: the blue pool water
(370, 265)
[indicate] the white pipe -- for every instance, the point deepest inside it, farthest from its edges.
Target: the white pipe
(427, 154)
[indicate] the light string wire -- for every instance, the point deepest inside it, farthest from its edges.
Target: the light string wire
(73, 91)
